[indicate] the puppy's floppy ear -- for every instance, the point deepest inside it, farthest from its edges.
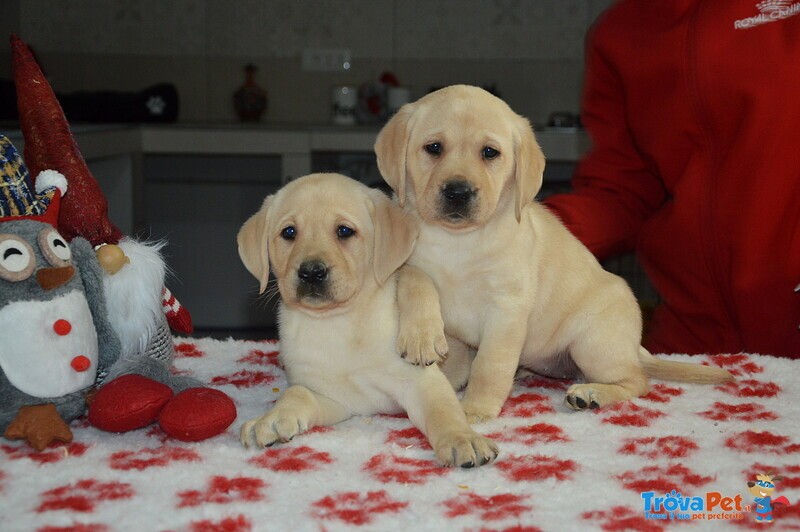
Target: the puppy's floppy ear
(253, 244)
(529, 166)
(395, 234)
(391, 147)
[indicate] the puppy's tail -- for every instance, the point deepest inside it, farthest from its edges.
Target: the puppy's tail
(671, 370)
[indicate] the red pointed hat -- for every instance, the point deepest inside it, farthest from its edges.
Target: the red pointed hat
(49, 145)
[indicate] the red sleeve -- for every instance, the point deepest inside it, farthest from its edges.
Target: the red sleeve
(614, 192)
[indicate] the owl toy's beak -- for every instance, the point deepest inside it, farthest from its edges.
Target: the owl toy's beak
(50, 278)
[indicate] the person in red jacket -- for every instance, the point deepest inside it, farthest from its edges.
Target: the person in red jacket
(693, 107)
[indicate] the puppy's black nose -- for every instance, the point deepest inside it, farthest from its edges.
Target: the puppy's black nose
(458, 193)
(313, 272)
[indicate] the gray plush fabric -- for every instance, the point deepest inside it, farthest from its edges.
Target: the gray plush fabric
(88, 279)
(155, 362)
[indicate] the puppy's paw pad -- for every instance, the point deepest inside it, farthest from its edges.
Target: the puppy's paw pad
(582, 397)
(465, 449)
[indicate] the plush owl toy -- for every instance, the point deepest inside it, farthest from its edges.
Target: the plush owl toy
(140, 389)
(56, 336)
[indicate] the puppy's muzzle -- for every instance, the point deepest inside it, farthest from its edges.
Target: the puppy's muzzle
(313, 272)
(457, 197)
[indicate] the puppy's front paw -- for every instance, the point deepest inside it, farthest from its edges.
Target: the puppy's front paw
(479, 411)
(465, 448)
(583, 396)
(277, 425)
(422, 341)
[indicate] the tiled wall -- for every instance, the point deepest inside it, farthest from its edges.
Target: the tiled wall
(531, 49)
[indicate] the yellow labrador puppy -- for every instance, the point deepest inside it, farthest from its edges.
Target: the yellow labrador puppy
(515, 286)
(334, 246)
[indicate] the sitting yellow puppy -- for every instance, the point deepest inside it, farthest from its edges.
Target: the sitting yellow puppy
(334, 246)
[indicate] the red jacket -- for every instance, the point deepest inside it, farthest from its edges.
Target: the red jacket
(693, 107)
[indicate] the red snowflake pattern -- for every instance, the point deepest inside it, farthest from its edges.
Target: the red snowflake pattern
(535, 468)
(738, 364)
(55, 453)
(513, 528)
(240, 523)
(654, 448)
(390, 468)
(76, 527)
(319, 430)
(224, 490)
(661, 393)
(487, 508)
(761, 442)
(147, 458)
(629, 414)
(527, 405)
(293, 459)
(188, 350)
(784, 518)
(261, 358)
(621, 518)
(83, 495)
(662, 479)
(750, 388)
(532, 434)
(407, 438)
(738, 412)
(544, 383)
(244, 379)
(154, 431)
(356, 508)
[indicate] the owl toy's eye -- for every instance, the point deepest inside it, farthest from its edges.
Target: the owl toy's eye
(17, 261)
(54, 247)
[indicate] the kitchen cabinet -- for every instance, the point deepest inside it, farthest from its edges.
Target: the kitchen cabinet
(197, 203)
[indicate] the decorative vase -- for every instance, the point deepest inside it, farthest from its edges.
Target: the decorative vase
(250, 100)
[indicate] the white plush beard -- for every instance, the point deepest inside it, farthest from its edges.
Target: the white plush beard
(133, 295)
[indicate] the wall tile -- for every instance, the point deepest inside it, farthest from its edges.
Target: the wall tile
(491, 29)
(531, 49)
(135, 27)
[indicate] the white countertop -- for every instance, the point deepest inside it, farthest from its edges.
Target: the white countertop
(99, 140)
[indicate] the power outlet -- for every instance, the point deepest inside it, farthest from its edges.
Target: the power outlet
(327, 60)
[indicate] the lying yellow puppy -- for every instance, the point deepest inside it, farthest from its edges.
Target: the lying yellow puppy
(516, 287)
(334, 246)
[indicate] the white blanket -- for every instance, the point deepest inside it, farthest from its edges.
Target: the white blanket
(557, 469)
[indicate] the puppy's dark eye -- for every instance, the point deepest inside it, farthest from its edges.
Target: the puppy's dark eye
(344, 232)
(434, 148)
(289, 232)
(489, 153)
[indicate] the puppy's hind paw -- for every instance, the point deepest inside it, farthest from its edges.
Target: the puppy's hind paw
(271, 428)
(466, 449)
(582, 396)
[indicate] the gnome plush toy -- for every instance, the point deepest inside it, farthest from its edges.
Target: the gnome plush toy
(55, 335)
(140, 388)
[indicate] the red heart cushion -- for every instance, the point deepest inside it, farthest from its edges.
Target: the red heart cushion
(128, 402)
(197, 414)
